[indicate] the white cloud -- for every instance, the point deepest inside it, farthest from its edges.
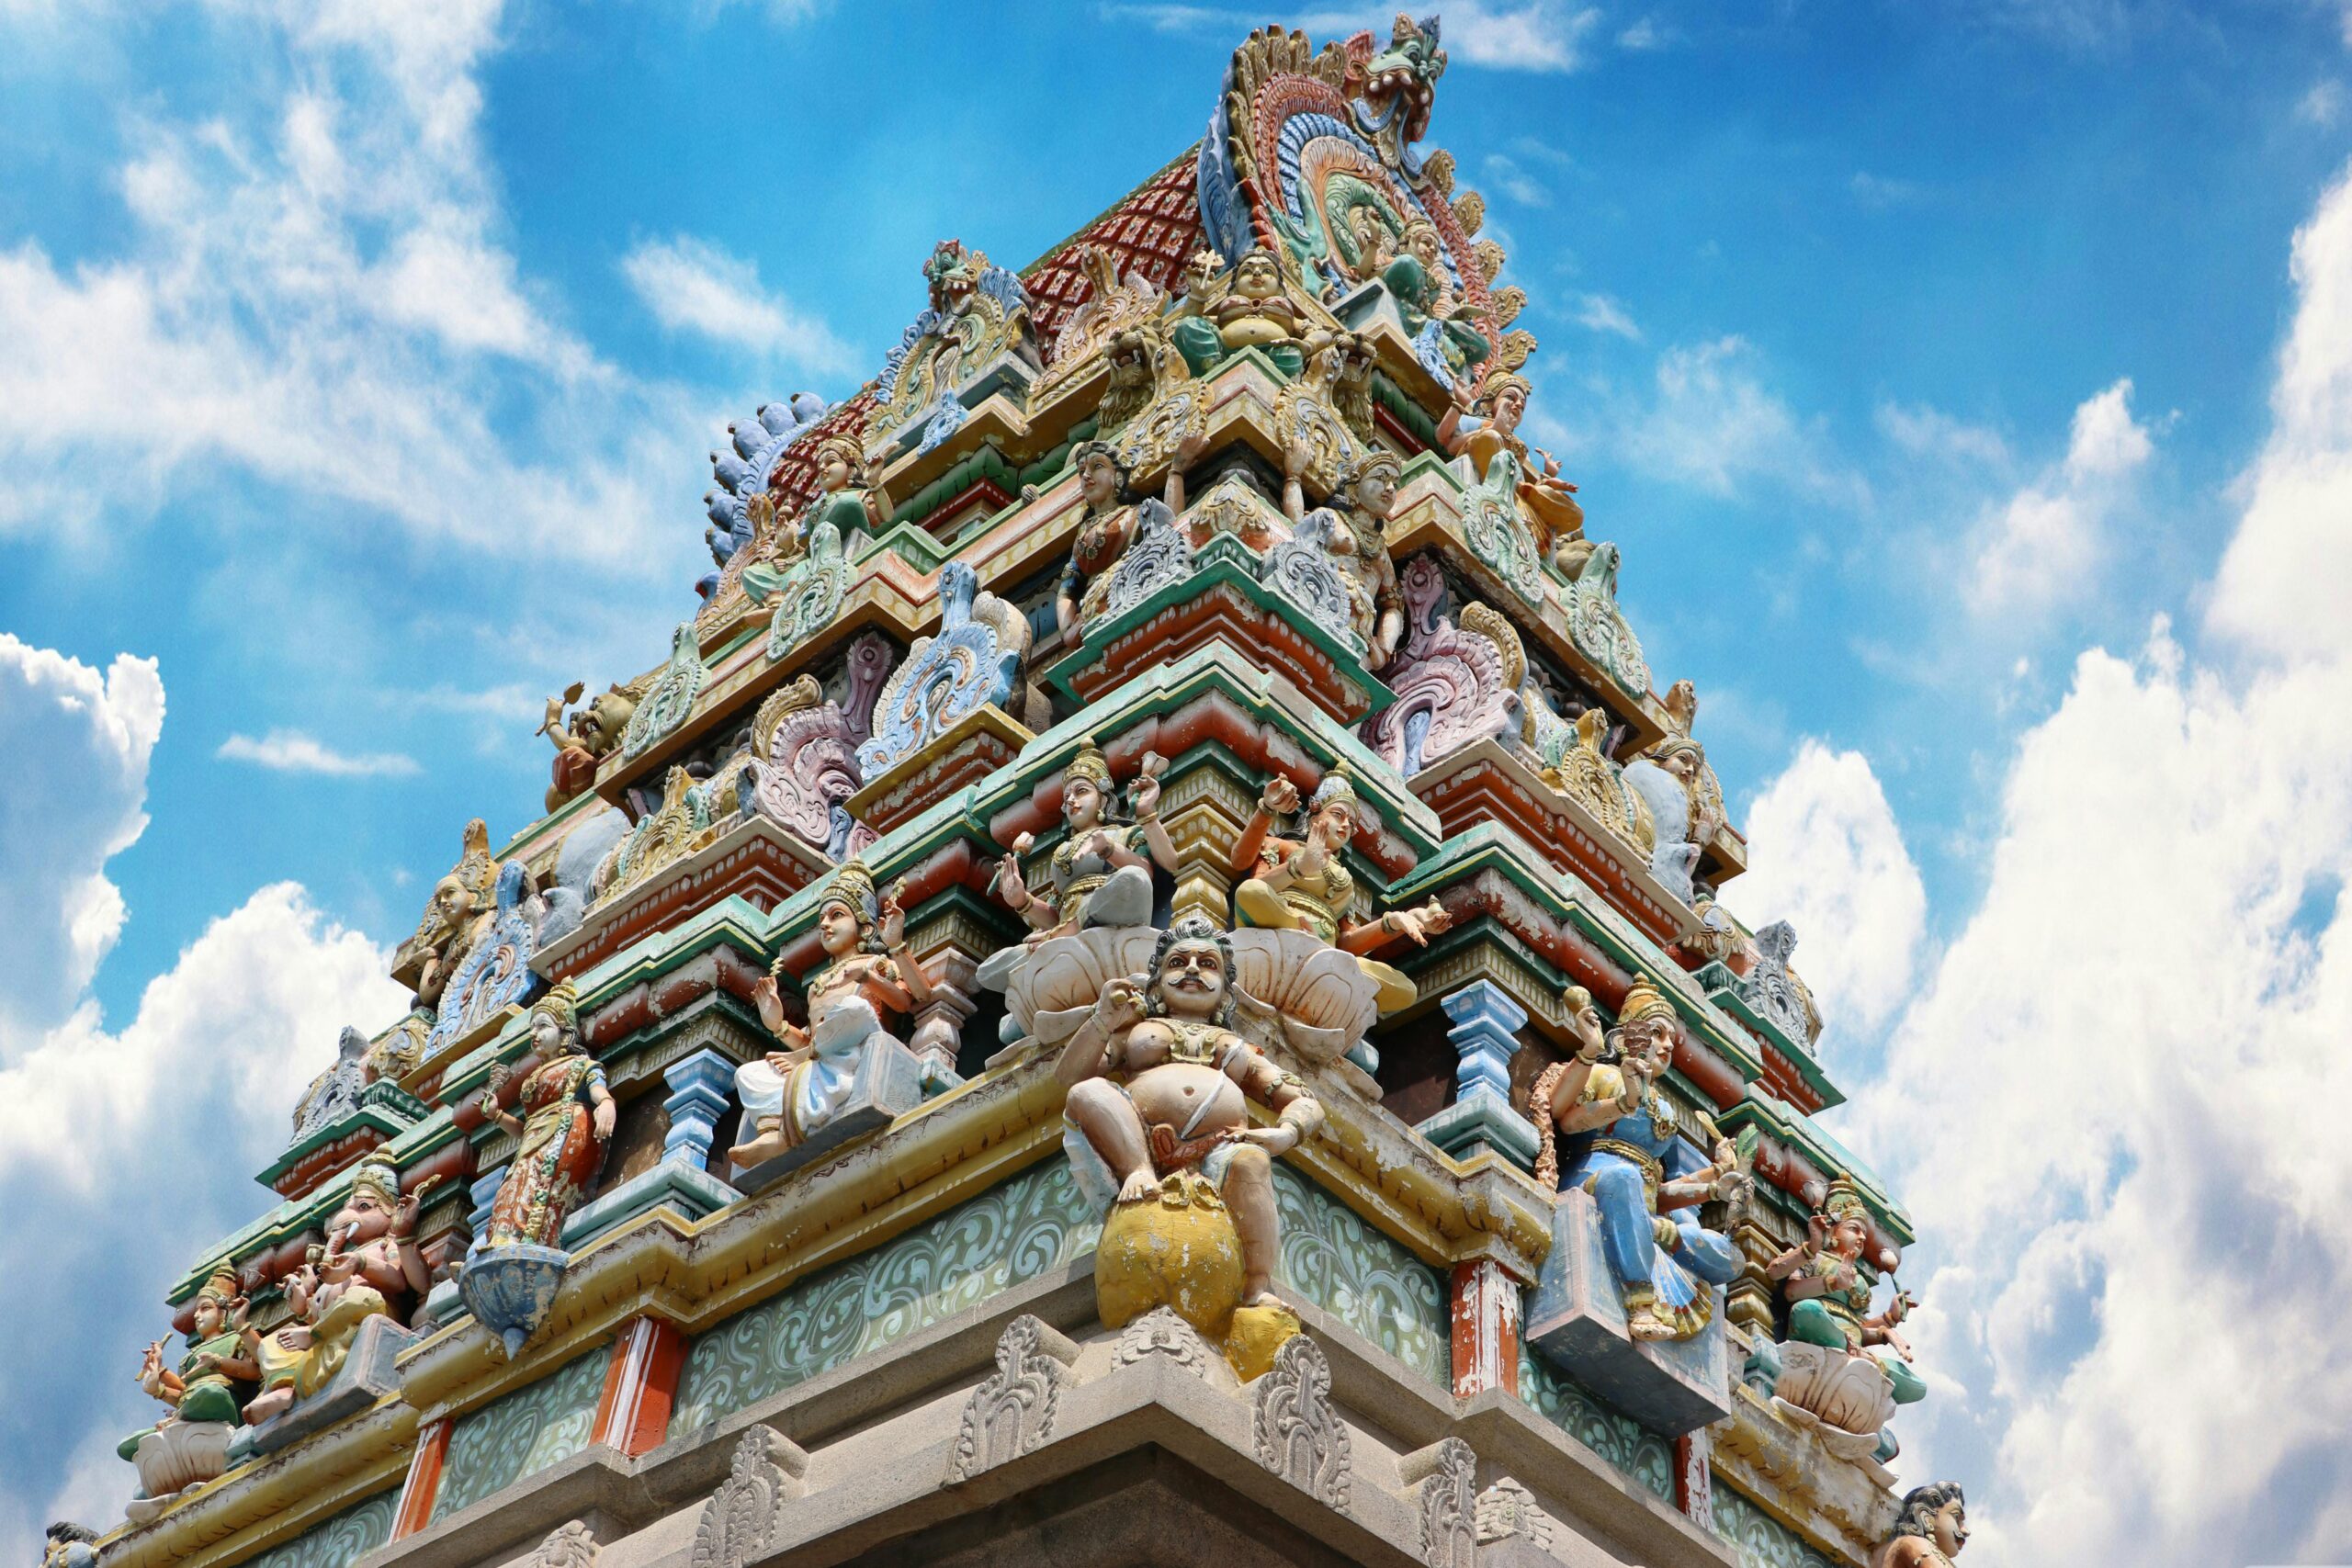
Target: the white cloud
(1502, 172)
(2107, 1108)
(1533, 35)
(1714, 423)
(693, 287)
(2043, 543)
(312, 292)
(2322, 106)
(1645, 34)
(1925, 432)
(1828, 858)
(1604, 314)
(1882, 191)
(290, 752)
(80, 739)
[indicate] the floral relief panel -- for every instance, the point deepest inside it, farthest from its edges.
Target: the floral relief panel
(522, 1434)
(1332, 1257)
(1763, 1541)
(1615, 1437)
(353, 1533)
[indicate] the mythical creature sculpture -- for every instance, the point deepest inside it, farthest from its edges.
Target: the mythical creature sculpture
(975, 659)
(1456, 685)
(205, 1394)
(584, 736)
(1113, 306)
(1393, 91)
(1252, 312)
(1355, 537)
(1302, 884)
(1503, 463)
(807, 766)
(369, 1268)
(1324, 418)
(868, 975)
(978, 314)
(1625, 1144)
(459, 906)
(1930, 1530)
(1159, 1131)
(1827, 1372)
(1100, 874)
(1112, 521)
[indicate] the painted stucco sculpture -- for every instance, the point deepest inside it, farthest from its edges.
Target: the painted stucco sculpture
(1830, 1370)
(1606, 1128)
(1159, 1133)
(460, 904)
(1112, 523)
(1502, 464)
(1100, 874)
(369, 1267)
(495, 972)
(1456, 682)
(1930, 1530)
(979, 314)
(568, 1115)
(205, 1393)
(1251, 311)
(1354, 537)
(807, 766)
(868, 978)
(972, 662)
(584, 736)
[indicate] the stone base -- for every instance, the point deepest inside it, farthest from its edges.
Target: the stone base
(1576, 1319)
(1844, 1399)
(173, 1457)
(685, 1189)
(509, 1290)
(972, 748)
(367, 1375)
(888, 1084)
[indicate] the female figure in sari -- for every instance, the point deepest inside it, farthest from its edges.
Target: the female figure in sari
(567, 1118)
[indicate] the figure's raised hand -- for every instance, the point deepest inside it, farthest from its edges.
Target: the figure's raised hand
(1120, 1005)
(894, 917)
(1280, 797)
(1144, 795)
(1277, 1140)
(769, 1003)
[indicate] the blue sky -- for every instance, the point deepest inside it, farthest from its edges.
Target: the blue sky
(359, 371)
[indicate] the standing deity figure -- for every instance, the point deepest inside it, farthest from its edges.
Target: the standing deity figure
(1159, 1090)
(868, 975)
(1112, 521)
(1443, 334)
(1356, 538)
(567, 1118)
(1930, 1530)
(1100, 874)
(213, 1380)
(1503, 464)
(369, 1268)
(1254, 313)
(1821, 1278)
(843, 499)
(1606, 1128)
(1303, 884)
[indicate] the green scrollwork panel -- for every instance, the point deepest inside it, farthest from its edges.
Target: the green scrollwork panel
(521, 1434)
(347, 1537)
(1763, 1541)
(1018, 1230)
(1360, 1275)
(1617, 1438)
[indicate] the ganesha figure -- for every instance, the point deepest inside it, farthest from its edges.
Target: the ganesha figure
(1607, 1129)
(1303, 884)
(1159, 1133)
(369, 1267)
(1828, 1369)
(868, 975)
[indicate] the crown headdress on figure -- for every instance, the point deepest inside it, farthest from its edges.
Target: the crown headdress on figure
(1089, 765)
(1335, 785)
(854, 888)
(221, 1289)
(562, 1004)
(848, 448)
(1642, 1002)
(1501, 382)
(1843, 1200)
(380, 1177)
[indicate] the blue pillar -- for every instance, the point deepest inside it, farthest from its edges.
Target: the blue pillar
(701, 1085)
(1485, 1037)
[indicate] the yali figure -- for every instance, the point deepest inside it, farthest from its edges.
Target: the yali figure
(567, 1118)
(868, 975)
(1305, 884)
(1608, 1129)
(1503, 463)
(1100, 874)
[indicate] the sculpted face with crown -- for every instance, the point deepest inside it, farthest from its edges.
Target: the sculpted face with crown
(1100, 874)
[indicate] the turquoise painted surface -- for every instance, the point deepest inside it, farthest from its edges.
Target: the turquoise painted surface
(1333, 1259)
(1011, 1233)
(1615, 1437)
(521, 1434)
(358, 1530)
(1763, 1541)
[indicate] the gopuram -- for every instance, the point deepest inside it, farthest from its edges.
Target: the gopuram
(1140, 984)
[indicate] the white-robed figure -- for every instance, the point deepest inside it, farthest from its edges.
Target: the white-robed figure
(868, 976)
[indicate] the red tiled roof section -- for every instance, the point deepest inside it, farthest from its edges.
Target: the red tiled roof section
(1151, 234)
(794, 479)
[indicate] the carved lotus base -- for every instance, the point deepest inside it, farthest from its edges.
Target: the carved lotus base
(1845, 1399)
(509, 1290)
(175, 1457)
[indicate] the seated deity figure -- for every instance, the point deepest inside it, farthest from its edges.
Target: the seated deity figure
(1503, 463)
(1303, 884)
(1930, 1530)
(1100, 874)
(1828, 1298)
(844, 499)
(216, 1374)
(868, 975)
(1423, 288)
(1159, 1083)
(1112, 521)
(1255, 313)
(1358, 546)
(1607, 1129)
(568, 1114)
(369, 1268)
